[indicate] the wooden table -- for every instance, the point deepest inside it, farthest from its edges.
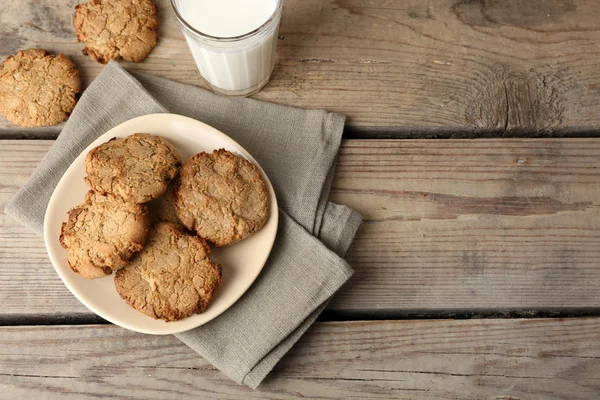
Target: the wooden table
(472, 151)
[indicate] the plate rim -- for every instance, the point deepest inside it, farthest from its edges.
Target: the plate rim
(273, 214)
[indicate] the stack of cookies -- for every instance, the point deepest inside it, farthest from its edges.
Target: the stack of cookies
(151, 220)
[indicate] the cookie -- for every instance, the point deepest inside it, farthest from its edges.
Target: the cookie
(162, 209)
(172, 277)
(114, 29)
(103, 233)
(137, 168)
(38, 89)
(222, 197)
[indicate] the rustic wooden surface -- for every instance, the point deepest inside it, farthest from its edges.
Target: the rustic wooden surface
(393, 67)
(437, 359)
(466, 227)
(449, 224)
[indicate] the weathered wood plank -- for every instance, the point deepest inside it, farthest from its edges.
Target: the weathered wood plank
(411, 67)
(472, 224)
(435, 359)
(449, 224)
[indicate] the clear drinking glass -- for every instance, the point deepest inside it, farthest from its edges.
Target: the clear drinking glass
(235, 66)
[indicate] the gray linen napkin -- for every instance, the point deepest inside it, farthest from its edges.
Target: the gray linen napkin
(297, 148)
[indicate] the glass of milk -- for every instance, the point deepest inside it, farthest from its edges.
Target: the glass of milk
(232, 41)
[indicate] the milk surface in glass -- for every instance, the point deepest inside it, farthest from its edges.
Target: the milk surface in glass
(232, 41)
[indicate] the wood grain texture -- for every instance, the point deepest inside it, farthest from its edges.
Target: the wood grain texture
(393, 67)
(449, 224)
(545, 359)
(472, 223)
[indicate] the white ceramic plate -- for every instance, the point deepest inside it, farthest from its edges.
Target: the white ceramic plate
(242, 262)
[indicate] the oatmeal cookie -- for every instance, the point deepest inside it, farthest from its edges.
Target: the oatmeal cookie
(102, 234)
(38, 89)
(222, 197)
(172, 277)
(137, 168)
(114, 29)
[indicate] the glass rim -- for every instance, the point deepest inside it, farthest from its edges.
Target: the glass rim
(226, 38)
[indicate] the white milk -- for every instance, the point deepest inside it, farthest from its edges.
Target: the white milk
(232, 66)
(227, 18)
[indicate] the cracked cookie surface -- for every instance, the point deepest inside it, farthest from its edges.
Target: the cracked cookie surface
(38, 89)
(102, 234)
(172, 277)
(137, 168)
(114, 29)
(222, 197)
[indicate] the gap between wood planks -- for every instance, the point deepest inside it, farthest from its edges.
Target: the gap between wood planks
(350, 132)
(338, 315)
(459, 133)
